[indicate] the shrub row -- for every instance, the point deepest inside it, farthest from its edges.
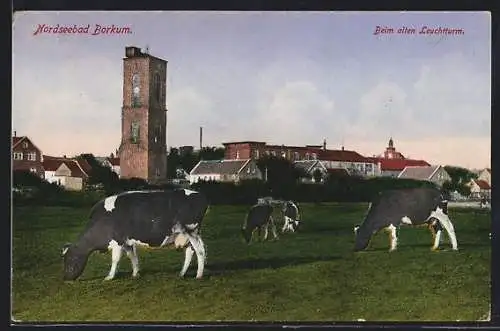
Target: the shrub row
(342, 189)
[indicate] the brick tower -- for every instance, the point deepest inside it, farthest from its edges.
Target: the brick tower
(143, 151)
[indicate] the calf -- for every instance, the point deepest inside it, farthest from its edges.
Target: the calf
(291, 215)
(151, 219)
(259, 216)
(393, 208)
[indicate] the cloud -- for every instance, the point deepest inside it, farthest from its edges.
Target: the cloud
(443, 115)
(69, 109)
(448, 96)
(188, 110)
(297, 114)
(381, 110)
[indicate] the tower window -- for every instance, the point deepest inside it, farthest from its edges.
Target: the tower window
(157, 135)
(157, 87)
(134, 133)
(136, 90)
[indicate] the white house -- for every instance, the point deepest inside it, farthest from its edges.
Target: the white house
(225, 171)
(435, 173)
(67, 173)
(479, 189)
(485, 175)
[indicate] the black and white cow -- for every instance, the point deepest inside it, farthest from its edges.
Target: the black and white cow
(259, 217)
(417, 206)
(151, 219)
(291, 215)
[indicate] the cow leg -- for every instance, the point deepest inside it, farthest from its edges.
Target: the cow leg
(448, 226)
(273, 228)
(393, 237)
(199, 249)
(187, 260)
(266, 230)
(285, 225)
(437, 238)
(445, 222)
(436, 229)
(134, 260)
(259, 233)
(116, 254)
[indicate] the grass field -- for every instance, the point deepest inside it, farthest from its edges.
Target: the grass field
(312, 275)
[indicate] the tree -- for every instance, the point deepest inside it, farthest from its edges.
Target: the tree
(281, 175)
(211, 153)
(460, 178)
(100, 174)
(173, 162)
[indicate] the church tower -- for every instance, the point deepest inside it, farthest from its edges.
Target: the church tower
(143, 150)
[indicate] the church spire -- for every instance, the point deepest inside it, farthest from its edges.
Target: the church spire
(391, 143)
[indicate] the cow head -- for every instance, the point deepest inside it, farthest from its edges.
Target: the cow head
(292, 224)
(362, 237)
(74, 259)
(247, 234)
(443, 204)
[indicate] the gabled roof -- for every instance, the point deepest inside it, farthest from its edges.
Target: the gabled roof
(342, 155)
(219, 167)
(305, 165)
(84, 165)
(419, 172)
(78, 168)
(398, 164)
(50, 164)
(115, 161)
(76, 171)
(483, 185)
(17, 140)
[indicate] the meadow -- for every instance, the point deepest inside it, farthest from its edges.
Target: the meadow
(311, 275)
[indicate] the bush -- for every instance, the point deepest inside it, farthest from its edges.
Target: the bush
(339, 189)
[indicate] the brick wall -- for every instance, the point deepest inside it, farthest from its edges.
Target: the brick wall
(142, 159)
(248, 150)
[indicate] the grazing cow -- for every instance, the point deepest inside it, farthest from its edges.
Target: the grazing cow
(258, 217)
(393, 208)
(291, 215)
(151, 219)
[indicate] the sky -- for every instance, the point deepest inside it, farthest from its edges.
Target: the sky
(292, 78)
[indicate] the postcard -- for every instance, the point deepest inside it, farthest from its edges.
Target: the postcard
(274, 166)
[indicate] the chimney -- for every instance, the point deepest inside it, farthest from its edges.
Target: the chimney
(324, 144)
(201, 137)
(342, 147)
(15, 134)
(64, 156)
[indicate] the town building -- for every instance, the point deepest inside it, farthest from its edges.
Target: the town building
(436, 174)
(70, 173)
(225, 171)
(479, 188)
(26, 156)
(330, 159)
(143, 151)
(391, 162)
